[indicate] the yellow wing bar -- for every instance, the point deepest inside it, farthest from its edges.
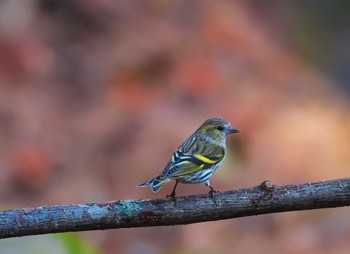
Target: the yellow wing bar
(205, 159)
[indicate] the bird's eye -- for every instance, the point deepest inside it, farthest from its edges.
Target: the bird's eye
(220, 128)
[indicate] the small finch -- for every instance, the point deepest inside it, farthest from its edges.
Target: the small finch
(197, 159)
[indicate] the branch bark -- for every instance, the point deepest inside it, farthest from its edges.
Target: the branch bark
(262, 199)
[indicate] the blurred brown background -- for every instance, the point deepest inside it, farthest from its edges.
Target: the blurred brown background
(96, 95)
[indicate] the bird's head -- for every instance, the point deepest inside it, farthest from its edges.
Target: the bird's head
(217, 128)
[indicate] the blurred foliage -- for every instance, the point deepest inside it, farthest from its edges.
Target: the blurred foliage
(75, 244)
(67, 243)
(319, 31)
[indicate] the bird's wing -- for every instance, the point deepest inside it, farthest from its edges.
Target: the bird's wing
(193, 157)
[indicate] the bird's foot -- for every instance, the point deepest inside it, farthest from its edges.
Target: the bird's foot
(212, 191)
(172, 195)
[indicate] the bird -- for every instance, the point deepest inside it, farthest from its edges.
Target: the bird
(197, 159)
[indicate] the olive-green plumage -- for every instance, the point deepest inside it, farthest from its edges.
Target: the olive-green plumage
(198, 157)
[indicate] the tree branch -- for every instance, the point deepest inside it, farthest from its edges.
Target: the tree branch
(262, 199)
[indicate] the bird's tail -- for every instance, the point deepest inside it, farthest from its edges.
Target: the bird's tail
(155, 183)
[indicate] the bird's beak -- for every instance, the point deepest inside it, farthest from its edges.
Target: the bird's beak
(232, 130)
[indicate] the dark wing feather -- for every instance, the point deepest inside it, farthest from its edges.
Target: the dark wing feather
(193, 156)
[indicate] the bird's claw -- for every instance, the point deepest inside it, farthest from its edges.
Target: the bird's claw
(212, 191)
(172, 196)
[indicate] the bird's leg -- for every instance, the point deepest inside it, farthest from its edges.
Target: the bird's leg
(172, 195)
(212, 191)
